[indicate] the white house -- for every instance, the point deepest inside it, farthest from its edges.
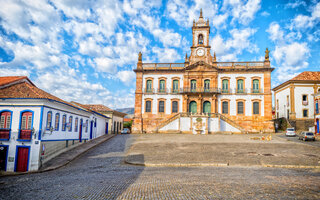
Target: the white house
(294, 98)
(36, 126)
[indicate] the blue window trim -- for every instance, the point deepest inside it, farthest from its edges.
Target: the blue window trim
(40, 124)
(55, 118)
(16, 157)
(48, 128)
(1, 145)
(21, 112)
(317, 108)
(64, 125)
(76, 124)
(70, 129)
(1, 111)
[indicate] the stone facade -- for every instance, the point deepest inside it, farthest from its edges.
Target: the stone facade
(240, 91)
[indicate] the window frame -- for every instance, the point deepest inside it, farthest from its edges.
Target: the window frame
(191, 85)
(225, 90)
(145, 105)
(206, 82)
(255, 91)
(172, 101)
(222, 107)
(150, 90)
(76, 123)
(6, 119)
(64, 125)
(164, 106)
(253, 108)
(56, 122)
(243, 101)
(49, 123)
(70, 121)
(305, 109)
(173, 89)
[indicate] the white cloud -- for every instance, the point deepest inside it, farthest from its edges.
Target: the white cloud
(295, 4)
(265, 14)
(305, 21)
(275, 32)
(293, 55)
(127, 77)
(239, 41)
(242, 11)
(105, 64)
(166, 54)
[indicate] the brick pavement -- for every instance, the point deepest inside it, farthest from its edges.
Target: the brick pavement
(101, 174)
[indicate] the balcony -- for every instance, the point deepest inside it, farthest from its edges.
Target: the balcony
(162, 90)
(241, 91)
(4, 134)
(148, 90)
(25, 135)
(256, 91)
(200, 90)
(305, 103)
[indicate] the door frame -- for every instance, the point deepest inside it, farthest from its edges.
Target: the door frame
(206, 103)
(80, 130)
(107, 127)
(6, 161)
(318, 123)
(16, 157)
(196, 106)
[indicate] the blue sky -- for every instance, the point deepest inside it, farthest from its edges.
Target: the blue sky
(86, 50)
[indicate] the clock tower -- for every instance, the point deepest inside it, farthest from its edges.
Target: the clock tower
(200, 49)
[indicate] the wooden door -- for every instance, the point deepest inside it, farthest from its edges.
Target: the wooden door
(22, 159)
(80, 131)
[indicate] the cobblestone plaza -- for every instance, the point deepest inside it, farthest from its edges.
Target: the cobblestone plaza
(102, 174)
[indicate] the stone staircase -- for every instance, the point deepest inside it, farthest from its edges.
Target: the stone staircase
(212, 115)
(231, 122)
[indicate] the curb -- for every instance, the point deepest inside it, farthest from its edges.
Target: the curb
(57, 167)
(219, 165)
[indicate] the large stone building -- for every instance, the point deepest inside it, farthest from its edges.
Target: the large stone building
(202, 95)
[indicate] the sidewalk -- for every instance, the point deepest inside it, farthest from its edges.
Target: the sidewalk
(66, 157)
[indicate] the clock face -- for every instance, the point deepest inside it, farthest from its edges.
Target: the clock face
(200, 52)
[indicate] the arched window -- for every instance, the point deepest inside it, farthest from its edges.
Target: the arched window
(174, 106)
(26, 125)
(206, 107)
(256, 109)
(193, 107)
(49, 120)
(175, 86)
(5, 122)
(193, 85)
(225, 107)
(225, 86)
(161, 106)
(240, 109)
(206, 85)
(70, 124)
(5, 125)
(76, 125)
(148, 106)
(255, 86)
(162, 86)
(200, 39)
(240, 86)
(149, 86)
(56, 122)
(64, 122)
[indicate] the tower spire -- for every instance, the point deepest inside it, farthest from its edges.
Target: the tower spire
(214, 57)
(201, 13)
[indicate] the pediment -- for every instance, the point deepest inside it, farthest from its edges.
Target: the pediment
(201, 66)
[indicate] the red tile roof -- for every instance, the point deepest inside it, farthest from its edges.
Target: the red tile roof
(103, 108)
(5, 80)
(26, 90)
(311, 76)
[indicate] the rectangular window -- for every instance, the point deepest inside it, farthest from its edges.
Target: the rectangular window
(255, 108)
(76, 125)
(64, 122)
(175, 86)
(148, 106)
(86, 126)
(305, 112)
(161, 106)
(255, 86)
(287, 100)
(193, 85)
(305, 100)
(240, 107)
(5, 120)
(56, 125)
(174, 107)
(225, 107)
(240, 86)
(149, 85)
(162, 86)
(49, 120)
(225, 86)
(70, 124)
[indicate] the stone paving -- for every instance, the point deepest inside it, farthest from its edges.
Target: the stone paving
(101, 174)
(221, 150)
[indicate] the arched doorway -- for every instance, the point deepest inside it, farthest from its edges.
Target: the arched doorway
(206, 107)
(193, 107)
